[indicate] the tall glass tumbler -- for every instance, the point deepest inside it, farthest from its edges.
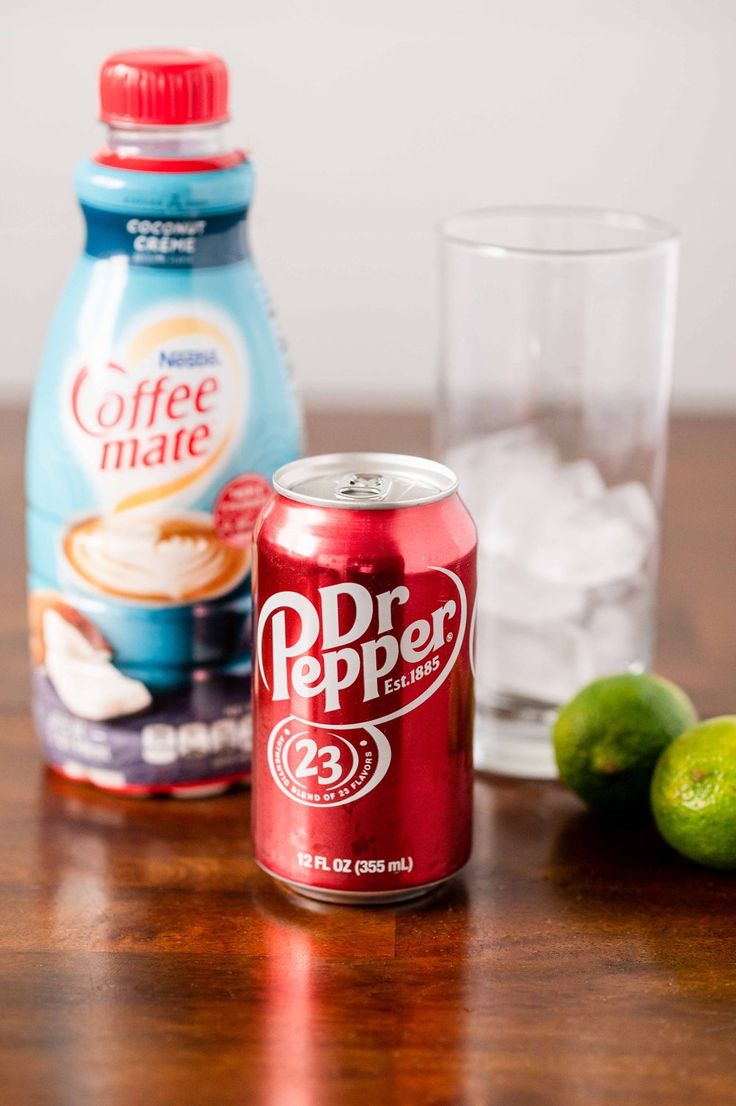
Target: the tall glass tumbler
(556, 359)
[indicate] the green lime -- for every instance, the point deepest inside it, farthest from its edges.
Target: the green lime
(607, 739)
(694, 793)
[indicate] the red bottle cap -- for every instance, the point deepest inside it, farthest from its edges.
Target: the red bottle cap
(163, 88)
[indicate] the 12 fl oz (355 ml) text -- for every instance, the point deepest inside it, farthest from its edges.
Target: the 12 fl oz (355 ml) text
(360, 867)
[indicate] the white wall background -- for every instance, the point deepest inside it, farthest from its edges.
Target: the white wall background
(368, 121)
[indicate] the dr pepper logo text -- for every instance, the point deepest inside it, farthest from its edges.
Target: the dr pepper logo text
(353, 658)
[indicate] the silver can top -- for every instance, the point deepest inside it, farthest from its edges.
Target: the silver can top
(365, 481)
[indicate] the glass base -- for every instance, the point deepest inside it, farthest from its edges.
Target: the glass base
(511, 746)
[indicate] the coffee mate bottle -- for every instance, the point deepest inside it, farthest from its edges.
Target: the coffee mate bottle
(162, 407)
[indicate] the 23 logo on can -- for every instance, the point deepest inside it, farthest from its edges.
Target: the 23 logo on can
(319, 767)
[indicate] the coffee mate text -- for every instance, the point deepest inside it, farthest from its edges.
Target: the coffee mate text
(330, 653)
(152, 421)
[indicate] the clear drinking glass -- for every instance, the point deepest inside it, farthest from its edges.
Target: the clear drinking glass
(556, 354)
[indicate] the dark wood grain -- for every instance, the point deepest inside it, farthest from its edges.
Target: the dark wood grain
(143, 959)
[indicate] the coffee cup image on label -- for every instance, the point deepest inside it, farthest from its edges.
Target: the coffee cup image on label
(175, 558)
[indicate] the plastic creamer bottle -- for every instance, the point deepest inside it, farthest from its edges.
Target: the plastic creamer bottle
(162, 408)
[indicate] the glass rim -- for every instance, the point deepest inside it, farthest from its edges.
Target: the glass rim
(660, 233)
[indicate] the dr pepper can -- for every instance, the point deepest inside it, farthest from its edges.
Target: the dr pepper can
(364, 590)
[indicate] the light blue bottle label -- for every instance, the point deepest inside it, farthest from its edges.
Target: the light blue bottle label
(162, 409)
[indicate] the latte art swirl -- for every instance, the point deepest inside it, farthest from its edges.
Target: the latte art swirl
(174, 560)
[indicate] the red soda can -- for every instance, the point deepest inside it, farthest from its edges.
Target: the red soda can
(364, 574)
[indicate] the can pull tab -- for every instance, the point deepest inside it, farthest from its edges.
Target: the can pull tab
(363, 485)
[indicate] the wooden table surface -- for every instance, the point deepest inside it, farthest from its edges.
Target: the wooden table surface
(144, 959)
